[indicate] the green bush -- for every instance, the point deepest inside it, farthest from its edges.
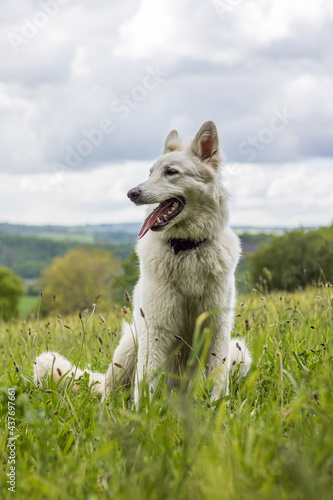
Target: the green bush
(293, 260)
(11, 289)
(78, 279)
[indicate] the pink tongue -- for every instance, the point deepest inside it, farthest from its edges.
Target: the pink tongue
(151, 219)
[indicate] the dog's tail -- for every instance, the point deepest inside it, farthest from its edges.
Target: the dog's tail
(240, 356)
(56, 365)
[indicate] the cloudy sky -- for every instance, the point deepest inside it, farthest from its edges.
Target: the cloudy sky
(89, 90)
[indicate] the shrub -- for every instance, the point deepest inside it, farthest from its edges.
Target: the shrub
(11, 289)
(78, 279)
(294, 259)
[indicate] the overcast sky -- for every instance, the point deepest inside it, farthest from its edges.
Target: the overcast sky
(89, 90)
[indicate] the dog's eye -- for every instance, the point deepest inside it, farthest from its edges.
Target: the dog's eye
(171, 171)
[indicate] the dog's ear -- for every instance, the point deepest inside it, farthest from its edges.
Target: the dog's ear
(172, 142)
(205, 144)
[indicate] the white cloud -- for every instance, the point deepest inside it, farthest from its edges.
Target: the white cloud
(287, 195)
(94, 197)
(260, 56)
(152, 28)
(262, 195)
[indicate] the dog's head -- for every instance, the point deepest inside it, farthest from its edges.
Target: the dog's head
(184, 183)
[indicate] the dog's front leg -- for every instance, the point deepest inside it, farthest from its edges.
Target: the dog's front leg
(152, 355)
(219, 359)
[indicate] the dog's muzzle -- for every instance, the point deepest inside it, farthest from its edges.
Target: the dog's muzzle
(134, 194)
(163, 214)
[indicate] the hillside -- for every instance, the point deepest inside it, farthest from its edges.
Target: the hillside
(27, 250)
(27, 256)
(110, 233)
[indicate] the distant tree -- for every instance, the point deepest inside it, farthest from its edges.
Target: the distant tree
(126, 278)
(294, 259)
(78, 279)
(11, 290)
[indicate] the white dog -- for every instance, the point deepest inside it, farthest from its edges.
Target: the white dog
(188, 256)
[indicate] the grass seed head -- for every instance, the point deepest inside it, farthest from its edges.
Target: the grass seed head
(315, 395)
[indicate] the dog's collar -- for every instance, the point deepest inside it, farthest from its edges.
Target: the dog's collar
(178, 244)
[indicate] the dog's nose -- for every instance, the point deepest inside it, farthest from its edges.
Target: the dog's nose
(134, 194)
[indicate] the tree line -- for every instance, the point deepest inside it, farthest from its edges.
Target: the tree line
(84, 275)
(28, 256)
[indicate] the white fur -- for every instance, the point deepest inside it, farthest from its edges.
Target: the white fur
(57, 365)
(173, 290)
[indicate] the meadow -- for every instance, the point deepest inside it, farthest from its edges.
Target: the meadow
(271, 438)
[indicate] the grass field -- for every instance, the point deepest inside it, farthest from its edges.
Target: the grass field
(27, 304)
(271, 438)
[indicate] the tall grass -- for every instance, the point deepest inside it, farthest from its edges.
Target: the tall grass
(272, 437)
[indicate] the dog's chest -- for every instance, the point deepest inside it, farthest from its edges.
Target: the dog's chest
(190, 273)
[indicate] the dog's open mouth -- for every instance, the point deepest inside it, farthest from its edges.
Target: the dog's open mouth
(162, 215)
